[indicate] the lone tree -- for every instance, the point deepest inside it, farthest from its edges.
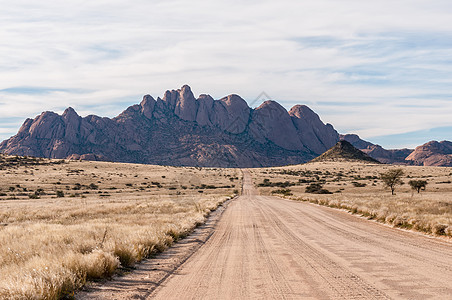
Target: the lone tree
(418, 185)
(392, 178)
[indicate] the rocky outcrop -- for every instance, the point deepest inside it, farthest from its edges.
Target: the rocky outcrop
(231, 114)
(432, 153)
(314, 135)
(147, 106)
(179, 129)
(186, 104)
(271, 122)
(205, 110)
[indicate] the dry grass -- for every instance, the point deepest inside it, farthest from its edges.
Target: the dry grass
(52, 245)
(357, 188)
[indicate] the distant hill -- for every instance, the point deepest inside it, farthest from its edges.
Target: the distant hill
(432, 153)
(344, 151)
(392, 156)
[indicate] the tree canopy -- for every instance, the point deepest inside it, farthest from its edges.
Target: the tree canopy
(392, 178)
(418, 185)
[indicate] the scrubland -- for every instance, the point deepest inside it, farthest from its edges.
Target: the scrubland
(357, 188)
(63, 223)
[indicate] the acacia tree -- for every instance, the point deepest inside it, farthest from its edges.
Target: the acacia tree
(392, 178)
(418, 185)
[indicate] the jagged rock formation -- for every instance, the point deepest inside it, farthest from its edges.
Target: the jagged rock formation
(344, 151)
(180, 130)
(392, 156)
(311, 128)
(432, 154)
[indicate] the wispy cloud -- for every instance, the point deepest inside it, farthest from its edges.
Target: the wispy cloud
(374, 68)
(32, 90)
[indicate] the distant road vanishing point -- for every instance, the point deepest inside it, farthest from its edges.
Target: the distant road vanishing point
(270, 248)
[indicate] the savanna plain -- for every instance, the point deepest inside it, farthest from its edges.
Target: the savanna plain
(63, 223)
(358, 188)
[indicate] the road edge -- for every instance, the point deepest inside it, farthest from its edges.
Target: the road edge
(171, 259)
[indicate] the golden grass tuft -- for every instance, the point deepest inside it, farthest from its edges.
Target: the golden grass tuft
(51, 246)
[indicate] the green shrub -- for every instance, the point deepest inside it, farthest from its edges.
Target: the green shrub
(316, 188)
(35, 195)
(285, 192)
(93, 186)
(418, 185)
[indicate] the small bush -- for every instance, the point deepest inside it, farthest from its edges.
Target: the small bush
(35, 195)
(93, 186)
(285, 192)
(439, 229)
(316, 188)
(59, 194)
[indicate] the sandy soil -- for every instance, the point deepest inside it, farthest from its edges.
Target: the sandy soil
(269, 248)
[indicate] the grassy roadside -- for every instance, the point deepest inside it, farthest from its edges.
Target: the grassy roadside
(421, 219)
(356, 187)
(53, 243)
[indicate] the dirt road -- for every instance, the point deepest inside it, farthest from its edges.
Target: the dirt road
(269, 248)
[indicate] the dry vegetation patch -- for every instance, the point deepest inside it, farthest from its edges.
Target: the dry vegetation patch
(68, 222)
(358, 188)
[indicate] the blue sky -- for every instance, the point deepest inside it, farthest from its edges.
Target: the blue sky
(381, 69)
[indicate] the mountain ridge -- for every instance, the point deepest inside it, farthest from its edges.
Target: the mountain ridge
(180, 129)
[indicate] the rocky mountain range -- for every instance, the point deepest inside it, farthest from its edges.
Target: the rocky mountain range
(180, 130)
(432, 153)
(393, 156)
